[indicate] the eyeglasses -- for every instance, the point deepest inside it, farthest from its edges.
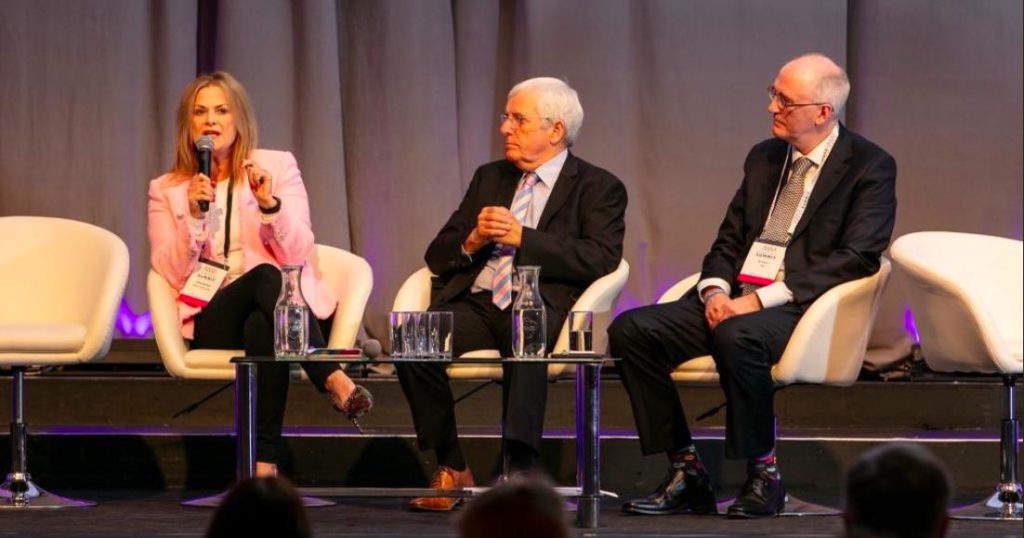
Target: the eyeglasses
(518, 120)
(785, 102)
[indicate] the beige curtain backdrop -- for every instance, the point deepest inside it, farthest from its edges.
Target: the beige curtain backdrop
(391, 105)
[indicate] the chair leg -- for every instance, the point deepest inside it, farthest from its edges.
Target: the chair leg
(18, 491)
(1005, 504)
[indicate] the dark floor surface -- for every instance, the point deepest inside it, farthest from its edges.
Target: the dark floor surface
(157, 514)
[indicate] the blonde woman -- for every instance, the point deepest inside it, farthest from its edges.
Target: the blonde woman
(256, 219)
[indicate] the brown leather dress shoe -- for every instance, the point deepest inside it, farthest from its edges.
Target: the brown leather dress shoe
(445, 478)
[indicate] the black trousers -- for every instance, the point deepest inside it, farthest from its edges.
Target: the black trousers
(653, 340)
(241, 315)
(479, 325)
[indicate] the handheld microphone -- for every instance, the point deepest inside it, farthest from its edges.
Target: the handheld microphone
(204, 147)
(371, 349)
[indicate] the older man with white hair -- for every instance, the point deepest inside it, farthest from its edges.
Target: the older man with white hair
(540, 206)
(815, 209)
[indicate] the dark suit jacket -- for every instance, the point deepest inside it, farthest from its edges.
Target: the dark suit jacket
(840, 236)
(578, 238)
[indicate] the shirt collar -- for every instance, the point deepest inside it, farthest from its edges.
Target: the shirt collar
(821, 151)
(548, 172)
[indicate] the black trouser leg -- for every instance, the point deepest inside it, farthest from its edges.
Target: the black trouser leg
(525, 386)
(478, 325)
(651, 341)
(241, 316)
(426, 385)
(745, 348)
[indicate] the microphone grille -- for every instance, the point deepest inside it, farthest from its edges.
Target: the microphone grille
(204, 142)
(372, 348)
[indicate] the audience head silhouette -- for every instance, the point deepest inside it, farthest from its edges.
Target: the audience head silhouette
(267, 506)
(898, 490)
(516, 509)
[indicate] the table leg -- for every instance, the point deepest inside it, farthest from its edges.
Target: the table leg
(245, 419)
(588, 443)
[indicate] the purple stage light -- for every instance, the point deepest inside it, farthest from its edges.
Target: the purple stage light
(132, 325)
(910, 326)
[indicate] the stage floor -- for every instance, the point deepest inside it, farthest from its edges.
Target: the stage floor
(156, 514)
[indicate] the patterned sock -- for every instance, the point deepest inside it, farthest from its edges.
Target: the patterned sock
(686, 458)
(767, 459)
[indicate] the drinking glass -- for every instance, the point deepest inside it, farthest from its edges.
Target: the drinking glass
(581, 324)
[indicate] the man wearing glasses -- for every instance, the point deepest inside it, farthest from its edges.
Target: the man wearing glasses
(815, 209)
(543, 206)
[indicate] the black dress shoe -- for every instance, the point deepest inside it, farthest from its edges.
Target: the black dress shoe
(684, 491)
(762, 495)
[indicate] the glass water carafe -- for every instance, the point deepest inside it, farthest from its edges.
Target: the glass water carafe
(529, 321)
(291, 316)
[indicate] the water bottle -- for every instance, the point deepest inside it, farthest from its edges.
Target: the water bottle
(529, 320)
(291, 316)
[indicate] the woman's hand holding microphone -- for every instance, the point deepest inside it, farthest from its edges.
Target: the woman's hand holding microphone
(200, 188)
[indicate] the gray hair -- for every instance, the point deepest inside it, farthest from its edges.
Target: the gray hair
(556, 100)
(833, 89)
(833, 85)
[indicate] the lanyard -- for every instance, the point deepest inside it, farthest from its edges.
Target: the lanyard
(227, 220)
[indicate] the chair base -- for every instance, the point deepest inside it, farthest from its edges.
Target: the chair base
(31, 496)
(213, 501)
(795, 507)
(995, 508)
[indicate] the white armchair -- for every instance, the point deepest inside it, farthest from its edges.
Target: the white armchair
(828, 344)
(61, 282)
(348, 276)
(967, 295)
(599, 297)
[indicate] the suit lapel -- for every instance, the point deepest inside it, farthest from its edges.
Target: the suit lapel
(506, 191)
(835, 168)
(559, 195)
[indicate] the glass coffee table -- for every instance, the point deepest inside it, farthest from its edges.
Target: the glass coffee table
(587, 491)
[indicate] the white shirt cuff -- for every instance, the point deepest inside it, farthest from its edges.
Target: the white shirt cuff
(774, 294)
(716, 282)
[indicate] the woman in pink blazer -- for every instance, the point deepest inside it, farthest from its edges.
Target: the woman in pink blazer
(257, 219)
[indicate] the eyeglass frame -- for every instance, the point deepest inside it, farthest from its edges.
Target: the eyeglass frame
(777, 97)
(518, 120)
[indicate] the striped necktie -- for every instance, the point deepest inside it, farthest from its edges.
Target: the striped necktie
(777, 229)
(501, 286)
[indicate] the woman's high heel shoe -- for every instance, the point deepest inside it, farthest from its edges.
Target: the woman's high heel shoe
(358, 403)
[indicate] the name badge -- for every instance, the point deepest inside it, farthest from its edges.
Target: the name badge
(203, 283)
(762, 264)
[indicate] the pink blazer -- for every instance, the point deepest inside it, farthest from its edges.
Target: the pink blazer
(288, 240)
